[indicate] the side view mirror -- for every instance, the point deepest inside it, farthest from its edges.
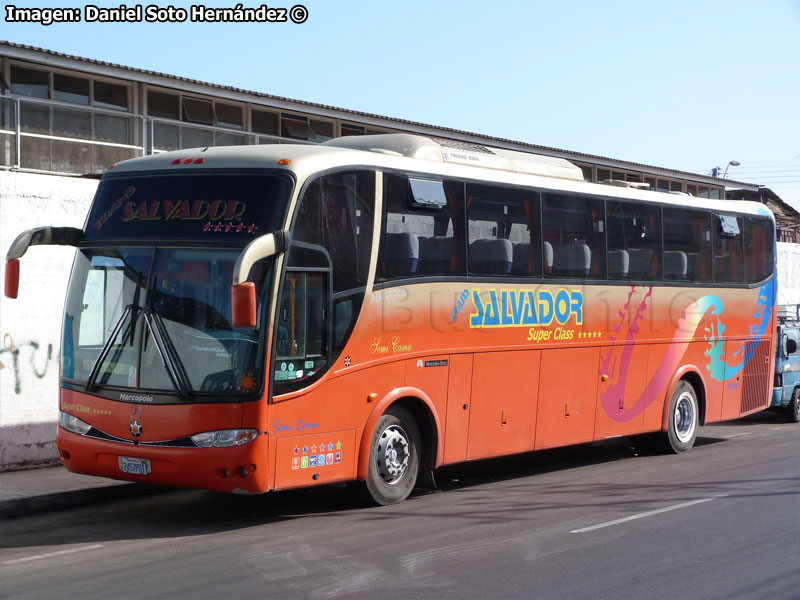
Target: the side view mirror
(38, 236)
(243, 292)
(243, 303)
(12, 278)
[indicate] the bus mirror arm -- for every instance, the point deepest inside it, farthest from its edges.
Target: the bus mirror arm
(243, 292)
(38, 236)
(269, 244)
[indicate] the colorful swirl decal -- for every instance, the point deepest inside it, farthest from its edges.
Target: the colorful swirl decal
(616, 365)
(717, 366)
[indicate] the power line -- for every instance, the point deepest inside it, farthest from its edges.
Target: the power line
(794, 166)
(752, 171)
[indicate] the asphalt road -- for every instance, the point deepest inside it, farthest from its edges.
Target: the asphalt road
(594, 521)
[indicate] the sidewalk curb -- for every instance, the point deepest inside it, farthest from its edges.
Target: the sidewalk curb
(22, 506)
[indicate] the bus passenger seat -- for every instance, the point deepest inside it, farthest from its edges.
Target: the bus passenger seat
(522, 252)
(401, 254)
(675, 264)
(436, 254)
(641, 261)
(618, 263)
(572, 260)
(491, 257)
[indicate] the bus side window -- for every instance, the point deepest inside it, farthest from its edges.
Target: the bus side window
(421, 236)
(574, 226)
(634, 241)
(727, 234)
(504, 232)
(759, 254)
(687, 245)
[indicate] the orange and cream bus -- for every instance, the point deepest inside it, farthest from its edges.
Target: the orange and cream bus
(259, 318)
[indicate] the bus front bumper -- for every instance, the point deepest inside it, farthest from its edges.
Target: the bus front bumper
(238, 469)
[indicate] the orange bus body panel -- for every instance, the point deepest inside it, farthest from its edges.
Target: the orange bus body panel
(604, 365)
(459, 390)
(502, 417)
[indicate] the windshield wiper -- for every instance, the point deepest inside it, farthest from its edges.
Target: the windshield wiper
(169, 356)
(92, 380)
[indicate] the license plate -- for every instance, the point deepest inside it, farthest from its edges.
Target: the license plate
(134, 466)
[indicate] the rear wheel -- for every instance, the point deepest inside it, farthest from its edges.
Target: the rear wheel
(393, 458)
(793, 408)
(683, 418)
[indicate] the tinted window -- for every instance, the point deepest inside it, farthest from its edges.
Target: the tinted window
(330, 252)
(727, 233)
(421, 236)
(687, 245)
(504, 236)
(336, 213)
(634, 241)
(573, 233)
(216, 208)
(759, 238)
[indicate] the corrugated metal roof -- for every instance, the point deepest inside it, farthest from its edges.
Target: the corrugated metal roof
(400, 123)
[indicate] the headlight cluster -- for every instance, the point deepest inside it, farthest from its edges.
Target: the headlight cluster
(224, 438)
(73, 424)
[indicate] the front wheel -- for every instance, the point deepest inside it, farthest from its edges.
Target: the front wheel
(793, 408)
(683, 418)
(393, 458)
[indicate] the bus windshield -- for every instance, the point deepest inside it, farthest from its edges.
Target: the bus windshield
(158, 320)
(149, 300)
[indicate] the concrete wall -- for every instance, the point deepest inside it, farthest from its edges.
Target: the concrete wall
(30, 326)
(788, 273)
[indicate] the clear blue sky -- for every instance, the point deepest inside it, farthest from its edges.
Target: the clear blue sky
(681, 84)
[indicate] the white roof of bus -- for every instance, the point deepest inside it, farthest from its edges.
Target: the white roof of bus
(422, 156)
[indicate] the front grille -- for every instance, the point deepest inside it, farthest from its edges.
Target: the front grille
(185, 442)
(756, 392)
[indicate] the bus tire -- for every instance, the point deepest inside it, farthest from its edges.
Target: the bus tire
(393, 458)
(683, 418)
(793, 408)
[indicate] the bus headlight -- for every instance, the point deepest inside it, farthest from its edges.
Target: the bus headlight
(73, 424)
(224, 438)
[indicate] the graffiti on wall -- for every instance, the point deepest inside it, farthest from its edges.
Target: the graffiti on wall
(16, 359)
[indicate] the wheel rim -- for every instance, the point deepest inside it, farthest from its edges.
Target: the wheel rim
(684, 417)
(393, 454)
